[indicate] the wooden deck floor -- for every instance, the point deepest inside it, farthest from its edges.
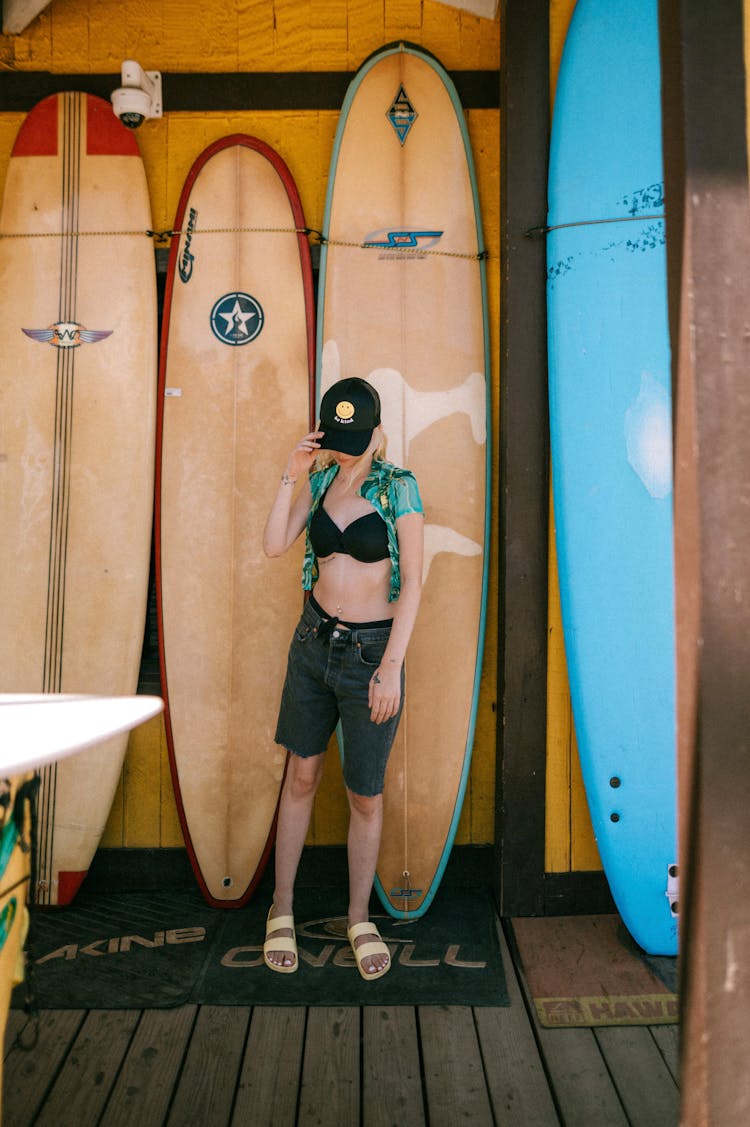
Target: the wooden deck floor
(207, 1066)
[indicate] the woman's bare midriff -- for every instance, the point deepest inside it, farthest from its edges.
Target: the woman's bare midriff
(352, 590)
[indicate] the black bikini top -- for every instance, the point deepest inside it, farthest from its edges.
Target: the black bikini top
(365, 539)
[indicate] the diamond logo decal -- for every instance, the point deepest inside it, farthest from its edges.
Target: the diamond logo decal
(402, 114)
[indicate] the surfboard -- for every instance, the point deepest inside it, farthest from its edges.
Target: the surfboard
(77, 411)
(38, 728)
(610, 418)
(236, 363)
(402, 303)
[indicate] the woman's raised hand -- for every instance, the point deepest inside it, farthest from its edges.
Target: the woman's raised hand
(304, 454)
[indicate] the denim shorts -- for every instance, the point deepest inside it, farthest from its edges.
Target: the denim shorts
(327, 682)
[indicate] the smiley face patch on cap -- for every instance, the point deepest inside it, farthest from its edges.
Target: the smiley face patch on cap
(344, 411)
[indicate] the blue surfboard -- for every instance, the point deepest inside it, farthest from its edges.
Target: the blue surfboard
(610, 419)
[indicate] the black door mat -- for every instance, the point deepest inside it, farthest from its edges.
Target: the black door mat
(160, 949)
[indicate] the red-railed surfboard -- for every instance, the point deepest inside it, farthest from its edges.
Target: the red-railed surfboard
(77, 417)
(237, 356)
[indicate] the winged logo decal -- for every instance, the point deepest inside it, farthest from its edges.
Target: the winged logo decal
(67, 334)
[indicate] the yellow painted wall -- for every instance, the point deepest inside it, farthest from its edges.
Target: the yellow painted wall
(570, 845)
(94, 36)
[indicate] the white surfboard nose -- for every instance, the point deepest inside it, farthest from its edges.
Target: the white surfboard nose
(39, 728)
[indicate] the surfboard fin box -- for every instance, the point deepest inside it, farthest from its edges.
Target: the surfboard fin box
(673, 889)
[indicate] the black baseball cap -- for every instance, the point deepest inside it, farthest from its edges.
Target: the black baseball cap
(349, 413)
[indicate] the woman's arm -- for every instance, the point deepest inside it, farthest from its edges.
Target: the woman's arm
(291, 505)
(385, 685)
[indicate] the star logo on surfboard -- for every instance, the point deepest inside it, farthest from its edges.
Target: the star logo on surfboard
(237, 318)
(67, 334)
(402, 114)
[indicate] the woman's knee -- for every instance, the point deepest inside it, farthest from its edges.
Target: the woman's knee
(303, 775)
(366, 805)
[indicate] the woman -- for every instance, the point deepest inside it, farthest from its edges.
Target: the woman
(364, 532)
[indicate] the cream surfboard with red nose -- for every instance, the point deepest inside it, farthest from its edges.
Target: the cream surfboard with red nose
(403, 305)
(235, 390)
(77, 418)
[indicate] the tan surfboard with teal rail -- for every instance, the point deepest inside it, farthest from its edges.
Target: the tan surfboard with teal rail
(403, 304)
(78, 371)
(237, 354)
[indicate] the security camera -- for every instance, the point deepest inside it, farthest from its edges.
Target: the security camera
(139, 96)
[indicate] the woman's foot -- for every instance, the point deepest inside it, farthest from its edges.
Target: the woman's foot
(371, 953)
(280, 947)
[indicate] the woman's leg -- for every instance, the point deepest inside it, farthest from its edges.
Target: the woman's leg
(295, 808)
(365, 828)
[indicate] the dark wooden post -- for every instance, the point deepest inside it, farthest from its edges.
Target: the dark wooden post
(524, 454)
(708, 238)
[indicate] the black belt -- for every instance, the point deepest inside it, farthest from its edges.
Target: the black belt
(328, 623)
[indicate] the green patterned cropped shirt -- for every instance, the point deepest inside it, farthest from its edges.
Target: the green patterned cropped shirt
(391, 491)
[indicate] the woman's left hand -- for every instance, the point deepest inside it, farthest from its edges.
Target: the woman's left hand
(384, 695)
